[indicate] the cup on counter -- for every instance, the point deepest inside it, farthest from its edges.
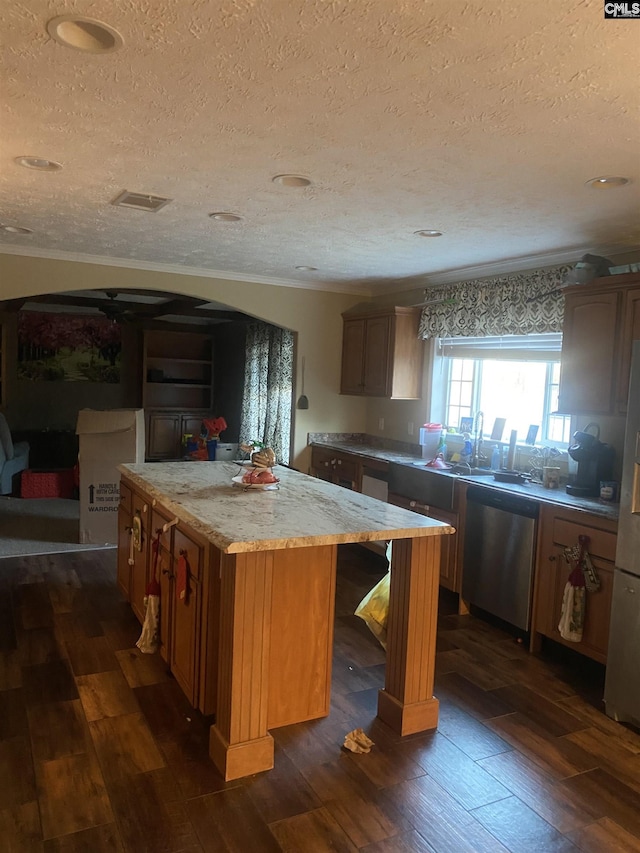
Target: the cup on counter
(551, 477)
(608, 491)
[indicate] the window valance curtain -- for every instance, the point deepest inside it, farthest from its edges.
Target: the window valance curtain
(268, 380)
(516, 304)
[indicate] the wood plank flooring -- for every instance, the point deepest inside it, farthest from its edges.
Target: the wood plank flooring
(100, 751)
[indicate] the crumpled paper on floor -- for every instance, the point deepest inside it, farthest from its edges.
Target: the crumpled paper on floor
(357, 741)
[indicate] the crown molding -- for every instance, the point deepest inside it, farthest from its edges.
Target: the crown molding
(178, 269)
(512, 265)
(504, 267)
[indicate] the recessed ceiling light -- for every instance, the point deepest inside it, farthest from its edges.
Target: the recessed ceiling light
(428, 232)
(607, 181)
(15, 229)
(84, 34)
(307, 269)
(39, 163)
(291, 180)
(222, 216)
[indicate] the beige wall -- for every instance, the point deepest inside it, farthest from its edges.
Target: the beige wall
(314, 315)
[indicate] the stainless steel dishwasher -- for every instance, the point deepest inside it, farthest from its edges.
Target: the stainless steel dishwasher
(499, 554)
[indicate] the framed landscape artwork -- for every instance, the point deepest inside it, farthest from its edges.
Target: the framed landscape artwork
(58, 347)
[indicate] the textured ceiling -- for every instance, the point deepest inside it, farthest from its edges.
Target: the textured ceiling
(480, 119)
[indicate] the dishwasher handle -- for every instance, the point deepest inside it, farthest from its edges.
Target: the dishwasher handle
(505, 501)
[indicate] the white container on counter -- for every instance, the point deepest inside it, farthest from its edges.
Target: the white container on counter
(430, 439)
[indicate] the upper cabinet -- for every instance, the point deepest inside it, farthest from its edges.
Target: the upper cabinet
(382, 355)
(177, 370)
(601, 320)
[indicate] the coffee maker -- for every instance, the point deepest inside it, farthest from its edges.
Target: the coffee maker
(595, 462)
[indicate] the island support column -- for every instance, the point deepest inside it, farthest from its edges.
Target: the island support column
(407, 703)
(239, 743)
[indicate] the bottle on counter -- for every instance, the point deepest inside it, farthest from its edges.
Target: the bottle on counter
(496, 459)
(442, 445)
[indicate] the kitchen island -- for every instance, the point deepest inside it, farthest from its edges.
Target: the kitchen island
(264, 620)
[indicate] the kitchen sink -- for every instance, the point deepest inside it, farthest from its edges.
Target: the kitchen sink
(460, 470)
(464, 471)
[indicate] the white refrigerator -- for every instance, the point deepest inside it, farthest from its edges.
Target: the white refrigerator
(622, 684)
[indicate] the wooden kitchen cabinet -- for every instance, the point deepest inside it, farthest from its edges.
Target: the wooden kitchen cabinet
(630, 333)
(165, 431)
(342, 469)
(382, 355)
(601, 320)
(448, 544)
(177, 389)
(560, 528)
(188, 626)
(139, 570)
(184, 629)
(123, 567)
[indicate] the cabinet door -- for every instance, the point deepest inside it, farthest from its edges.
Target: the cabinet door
(449, 546)
(630, 333)
(595, 636)
(123, 570)
(352, 357)
(589, 350)
(164, 436)
(376, 356)
(124, 540)
(164, 571)
(559, 529)
(322, 464)
(191, 425)
(184, 652)
(139, 570)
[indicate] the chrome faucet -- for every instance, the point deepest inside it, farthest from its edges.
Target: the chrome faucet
(477, 439)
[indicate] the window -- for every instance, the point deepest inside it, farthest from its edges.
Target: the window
(501, 379)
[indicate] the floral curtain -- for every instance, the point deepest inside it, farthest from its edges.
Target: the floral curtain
(516, 304)
(268, 381)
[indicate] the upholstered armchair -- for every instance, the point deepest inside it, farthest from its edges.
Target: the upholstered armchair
(13, 457)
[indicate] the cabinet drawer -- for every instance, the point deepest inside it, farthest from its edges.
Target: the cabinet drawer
(602, 543)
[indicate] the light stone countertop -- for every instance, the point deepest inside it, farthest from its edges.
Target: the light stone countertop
(558, 497)
(303, 512)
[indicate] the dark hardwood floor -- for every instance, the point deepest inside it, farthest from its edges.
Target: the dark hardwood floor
(100, 751)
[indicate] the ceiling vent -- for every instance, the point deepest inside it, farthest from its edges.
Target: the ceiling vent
(140, 201)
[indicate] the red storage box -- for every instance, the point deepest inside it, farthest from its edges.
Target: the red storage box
(47, 484)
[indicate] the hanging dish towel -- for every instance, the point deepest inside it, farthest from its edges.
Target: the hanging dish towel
(571, 625)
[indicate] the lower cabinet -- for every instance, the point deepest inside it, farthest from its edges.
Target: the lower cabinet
(125, 541)
(185, 601)
(558, 530)
(139, 578)
(342, 469)
(448, 544)
(165, 431)
(185, 567)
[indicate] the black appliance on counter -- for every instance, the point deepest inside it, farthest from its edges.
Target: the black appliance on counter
(595, 462)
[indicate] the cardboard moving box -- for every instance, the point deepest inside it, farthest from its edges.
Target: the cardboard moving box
(106, 439)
